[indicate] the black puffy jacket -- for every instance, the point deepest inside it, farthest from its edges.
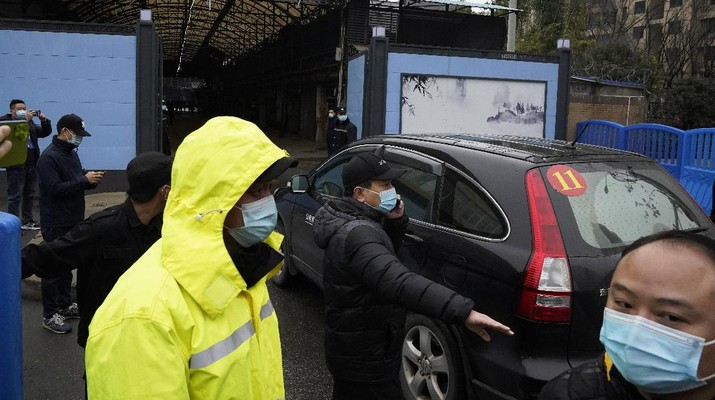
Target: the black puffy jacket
(595, 380)
(367, 290)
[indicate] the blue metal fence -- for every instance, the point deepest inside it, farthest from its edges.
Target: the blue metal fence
(688, 155)
(11, 310)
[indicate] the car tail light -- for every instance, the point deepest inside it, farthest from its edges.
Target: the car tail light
(546, 291)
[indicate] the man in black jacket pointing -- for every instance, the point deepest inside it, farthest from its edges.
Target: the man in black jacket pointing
(368, 290)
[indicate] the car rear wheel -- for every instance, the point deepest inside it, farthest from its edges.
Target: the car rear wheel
(283, 277)
(431, 364)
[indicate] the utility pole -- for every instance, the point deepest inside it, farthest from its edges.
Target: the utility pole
(511, 29)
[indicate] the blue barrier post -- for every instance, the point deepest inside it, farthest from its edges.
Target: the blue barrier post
(11, 310)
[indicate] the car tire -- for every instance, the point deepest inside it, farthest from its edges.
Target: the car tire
(431, 365)
(283, 278)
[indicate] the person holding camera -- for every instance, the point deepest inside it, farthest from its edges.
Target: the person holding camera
(22, 179)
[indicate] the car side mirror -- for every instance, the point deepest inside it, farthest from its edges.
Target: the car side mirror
(299, 183)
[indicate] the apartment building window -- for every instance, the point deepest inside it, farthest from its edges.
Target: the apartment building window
(674, 27)
(657, 9)
(655, 38)
(672, 56)
(709, 25)
(638, 32)
(639, 7)
(709, 54)
(676, 3)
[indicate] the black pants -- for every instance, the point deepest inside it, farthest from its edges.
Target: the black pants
(21, 189)
(56, 290)
(346, 390)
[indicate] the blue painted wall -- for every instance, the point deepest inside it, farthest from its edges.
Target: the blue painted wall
(91, 75)
(355, 91)
(401, 63)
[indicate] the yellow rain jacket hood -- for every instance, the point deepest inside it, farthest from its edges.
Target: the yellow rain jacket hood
(181, 323)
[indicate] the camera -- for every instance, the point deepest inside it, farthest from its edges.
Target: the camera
(36, 113)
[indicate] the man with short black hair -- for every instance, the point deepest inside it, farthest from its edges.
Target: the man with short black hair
(368, 290)
(22, 179)
(658, 326)
(62, 185)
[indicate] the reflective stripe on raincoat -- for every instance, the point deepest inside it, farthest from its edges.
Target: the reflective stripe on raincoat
(180, 323)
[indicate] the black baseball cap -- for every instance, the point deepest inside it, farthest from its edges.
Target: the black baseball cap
(277, 168)
(364, 167)
(147, 172)
(342, 110)
(73, 122)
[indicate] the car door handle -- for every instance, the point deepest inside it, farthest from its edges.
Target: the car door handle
(414, 238)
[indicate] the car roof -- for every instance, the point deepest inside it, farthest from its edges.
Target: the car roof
(535, 150)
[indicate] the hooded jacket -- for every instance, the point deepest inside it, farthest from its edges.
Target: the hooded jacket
(181, 323)
(367, 290)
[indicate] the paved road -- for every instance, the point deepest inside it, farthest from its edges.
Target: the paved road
(53, 364)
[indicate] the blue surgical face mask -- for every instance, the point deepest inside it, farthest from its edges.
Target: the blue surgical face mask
(259, 220)
(342, 118)
(75, 140)
(21, 114)
(331, 115)
(388, 200)
(655, 358)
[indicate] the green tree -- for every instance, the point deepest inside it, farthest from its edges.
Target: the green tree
(542, 22)
(689, 104)
(614, 61)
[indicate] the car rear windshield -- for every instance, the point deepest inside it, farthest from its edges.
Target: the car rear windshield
(610, 205)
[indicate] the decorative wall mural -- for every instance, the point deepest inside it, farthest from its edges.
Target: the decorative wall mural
(449, 105)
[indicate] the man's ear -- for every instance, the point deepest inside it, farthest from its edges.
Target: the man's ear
(358, 193)
(164, 190)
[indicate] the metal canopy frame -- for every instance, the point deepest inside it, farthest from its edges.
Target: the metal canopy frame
(229, 29)
(233, 27)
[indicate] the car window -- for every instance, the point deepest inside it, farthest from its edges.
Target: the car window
(417, 185)
(465, 207)
(329, 180)
(614, 205)
(416, 189)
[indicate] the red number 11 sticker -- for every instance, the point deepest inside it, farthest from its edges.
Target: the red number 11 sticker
(566, 180)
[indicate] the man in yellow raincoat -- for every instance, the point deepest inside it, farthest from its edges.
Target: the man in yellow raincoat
(191, 319)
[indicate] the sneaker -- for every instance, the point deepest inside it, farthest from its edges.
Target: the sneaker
(56, 324)
(71, 312)
(31, 226)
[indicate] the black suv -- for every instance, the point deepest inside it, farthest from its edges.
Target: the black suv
(530, 229)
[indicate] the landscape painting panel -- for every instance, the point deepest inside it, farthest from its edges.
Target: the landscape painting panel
(449, 105)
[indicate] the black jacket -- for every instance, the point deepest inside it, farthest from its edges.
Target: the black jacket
(36, 131)
(367, 290)
(101, 247)
(62, 185)
(595, 380)
(342, 133)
